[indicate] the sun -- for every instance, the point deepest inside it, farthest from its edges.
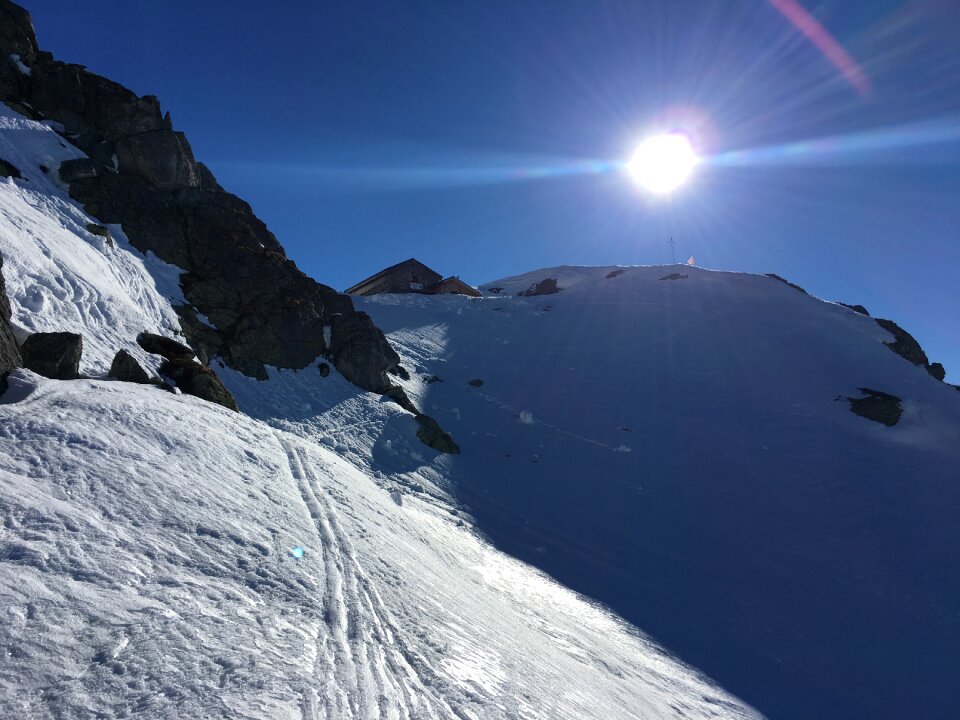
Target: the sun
(663, 163)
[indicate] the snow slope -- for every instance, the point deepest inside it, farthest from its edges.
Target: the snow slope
(62, 277)
(683, 451)
(147, 569)
(149, 542)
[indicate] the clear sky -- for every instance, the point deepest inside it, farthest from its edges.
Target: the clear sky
(485, 138)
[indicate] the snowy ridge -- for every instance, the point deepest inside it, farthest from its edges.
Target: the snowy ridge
(62, 277)
(148, 569)
(677, 443)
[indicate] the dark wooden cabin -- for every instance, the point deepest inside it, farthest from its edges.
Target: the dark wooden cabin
(410, 276)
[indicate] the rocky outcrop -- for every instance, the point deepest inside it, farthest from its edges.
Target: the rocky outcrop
(164, 347)
(878, 406)
(547, 286)
(430, 433)
(125, 367)
(856, 308)
(906, 346)
(53, 355)
(198, 380)
(786, 282)
(9, 170)
(9, 351)
(190, 376)
(141, 173)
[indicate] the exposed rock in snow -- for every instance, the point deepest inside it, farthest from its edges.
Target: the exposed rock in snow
(878, 406)
(125, 367)
(9, 351)
(53, 355)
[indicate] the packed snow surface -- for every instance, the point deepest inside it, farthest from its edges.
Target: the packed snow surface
(148, 568)
(678, 444)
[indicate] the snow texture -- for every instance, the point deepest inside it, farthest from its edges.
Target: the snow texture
(163, 557)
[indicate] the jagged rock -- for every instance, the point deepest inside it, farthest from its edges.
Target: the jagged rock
(9, 170)
(161, 157)
(674, 276)
(906, 346)
(786, 282)
(203, 338)
(265, 310)
(164, 346)
(99, 230)
(430, 379)
(9, 351)
(878, 406)
(399, 396)
(125, 367)
(79, 169)
(195, 379)
(856, 308)
(53, 355)
(431, 434)
(207, 180)
(400, 372)
(476, 382)
(544, 287)
(324, 369)
(16, 31)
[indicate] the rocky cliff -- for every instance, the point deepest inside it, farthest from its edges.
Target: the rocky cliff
(141, 174)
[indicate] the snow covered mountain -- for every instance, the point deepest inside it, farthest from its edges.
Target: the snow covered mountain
(161, 556)
(680, 492)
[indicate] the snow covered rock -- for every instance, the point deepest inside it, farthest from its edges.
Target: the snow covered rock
(140, 173)
(53, 355)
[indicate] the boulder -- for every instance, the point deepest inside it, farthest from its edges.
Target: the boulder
(125, 367)
(431, 434)
(544, 287)
(53, 355)
(937, 371)
(878, 406)
(192, 378)
(476, 382)
(9, 351)
(164, 346)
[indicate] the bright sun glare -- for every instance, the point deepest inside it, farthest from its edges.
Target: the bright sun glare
(663, 163)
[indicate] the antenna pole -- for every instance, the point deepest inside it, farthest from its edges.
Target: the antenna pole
(673, 253)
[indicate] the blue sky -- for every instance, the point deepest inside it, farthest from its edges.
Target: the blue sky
(483, 137)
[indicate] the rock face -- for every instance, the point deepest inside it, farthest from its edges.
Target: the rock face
(53, 355)
(9, 351)
(141, 174)
(906, 346)
(547, 286)
(878, 406)
(125, 367)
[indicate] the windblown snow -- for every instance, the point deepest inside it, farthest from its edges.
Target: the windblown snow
(164, 557)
